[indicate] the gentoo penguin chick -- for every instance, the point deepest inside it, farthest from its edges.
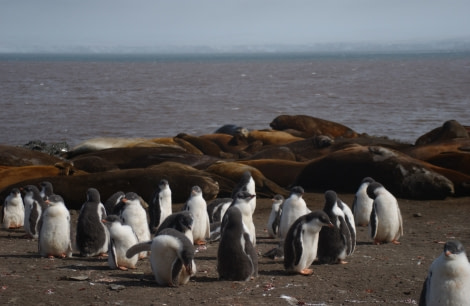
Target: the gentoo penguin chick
(236, 257)
(181, 221)
(33, 207)
(362, 204)
(301, 242)
(217, 208)
(121, 239)
(46, 189)
(134, 215)
(293, 208)
(197, 206)
(171, 257)
(386, 223)
(338, 241)
(448, 279)
(92, 237)
(12, 214)
(160, 205)
(275, 216)
(54, 229)
(242, 201)
(246, 183)
(112, 202)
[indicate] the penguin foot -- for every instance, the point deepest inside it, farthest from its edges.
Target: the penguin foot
(103, 255)
(342, 262)
(376, 242)
(396, 242)
(51, 256)
(123, 268)
(306, 271)
(200, 242)
(63, 255)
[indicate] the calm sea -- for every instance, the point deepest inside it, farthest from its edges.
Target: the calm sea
(73, 98)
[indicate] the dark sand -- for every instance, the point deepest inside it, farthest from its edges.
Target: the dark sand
(381, 275)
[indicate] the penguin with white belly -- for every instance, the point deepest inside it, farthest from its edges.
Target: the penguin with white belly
(121, 239)
(448, 279)
(293, 208)
(362, 203)
(246, 183)
(386, 224)
(46, 189)
(160, 205)
(12, 214)
(171, 257)
(242, 201)
(275, 216)
(181, 221)
(34, 205)
(197, 206)
(92, 237)
(237, 259)
(301, 242)
(54, 229)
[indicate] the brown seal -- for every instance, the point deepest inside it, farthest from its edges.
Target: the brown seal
(449, 130)
(281, 172)
(272, 137)
(311, 126)
(17, 156)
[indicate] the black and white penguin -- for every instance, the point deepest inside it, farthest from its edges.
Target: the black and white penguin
(54, 229)
(46, 189)
(246, 183)
(301, 242)
(237, 259)
(362, 204)
(242, 201)
(337, 242)
(34, 205)
(12, 214)
(448, 279)
(275, 216)
(197, 206)
(92, 237)
(293, 208)
(171, 257)
(386, 223)
(181, 221)
(160, 205)
(134, 215)
(112, 202)
(217, 208)
(121, 239)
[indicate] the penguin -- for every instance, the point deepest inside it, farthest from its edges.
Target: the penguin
(362, 203)
(386, 223)
(237, 259)
(134, 215)
(448, 279)
(337, 242)
(171, 257)
(275, 216)
(293, 208)
(160, 205)
(54, 229)
(181, 221)
(198, 208)
(242, 201)
(34, 205)
(46, 189)
(301, 242)
(112, 202)
(121, 238)
(246, 183)
(217, 208)
(12, 214)
(92, 236)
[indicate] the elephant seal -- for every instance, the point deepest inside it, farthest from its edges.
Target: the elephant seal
(272, 137)
(17, 157)
(281, 172)
(449, 130)
(311, 126)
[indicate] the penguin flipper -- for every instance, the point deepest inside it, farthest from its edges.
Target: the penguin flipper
(354, 205)
(297, 244)
(155, 211)
(251, 252)
(175, 272)
(34, 218)
(374, 222)
(400, 222)
(112, 253)
(139, 247)
(2, 213)
(426, 285)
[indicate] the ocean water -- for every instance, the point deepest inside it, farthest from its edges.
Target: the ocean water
(73, 98)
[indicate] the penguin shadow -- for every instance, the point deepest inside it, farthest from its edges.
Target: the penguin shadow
(204, 279)
(31, 255)
(205, 258)
(280, 272)
(14, 234)
(84, 267)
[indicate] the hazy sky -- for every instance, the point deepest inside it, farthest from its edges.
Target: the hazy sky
(219, 23)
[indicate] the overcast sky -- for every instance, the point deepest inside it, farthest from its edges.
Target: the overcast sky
(219, 23)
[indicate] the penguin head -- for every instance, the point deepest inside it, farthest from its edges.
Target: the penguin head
(297, 190)
(319, 217)
(163, 184)
(15, 192)
(196, 190)
(367, 180)
(54, 199)
(186, 220)
(92, 195)
(372, 188)
(453, 248)
(330, 199)
(110, 219)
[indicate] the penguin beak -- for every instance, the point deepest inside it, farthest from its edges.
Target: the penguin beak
(330, 225)
(448, 253)
(188, 268)
(104, 220)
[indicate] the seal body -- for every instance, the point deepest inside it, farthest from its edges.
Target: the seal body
(236, 257)
(197, 206)
(92, 237)
(54, 229)
(386, 223)
(275, 216)
(301, 242)
(160, 205)
(362, 203)
(121, 239)
(448, 279)
(12, 214)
